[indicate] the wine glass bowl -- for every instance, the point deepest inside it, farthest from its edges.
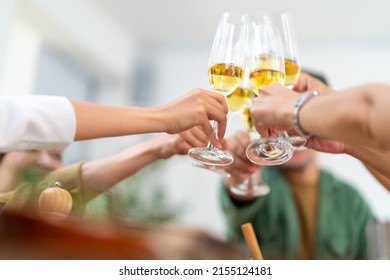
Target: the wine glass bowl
(241, 95)
(292, 72)
(268, 69)
(224, 78)
(283, 21)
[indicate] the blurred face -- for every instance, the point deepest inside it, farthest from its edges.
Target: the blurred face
(42, 162)
(300, 160)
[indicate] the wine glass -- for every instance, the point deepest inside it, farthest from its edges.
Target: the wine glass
(266, 65)
(225, 71)
(253, 186)
(283, 21)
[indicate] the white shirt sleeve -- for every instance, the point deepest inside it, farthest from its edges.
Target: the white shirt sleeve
(36, 122)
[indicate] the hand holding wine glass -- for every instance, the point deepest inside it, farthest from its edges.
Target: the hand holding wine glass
(225, 71)
(194, 110)
(235, 101)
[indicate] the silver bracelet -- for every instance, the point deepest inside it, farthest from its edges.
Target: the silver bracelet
(304, 98)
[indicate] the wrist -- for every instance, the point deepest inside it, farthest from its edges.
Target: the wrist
(167, 146)
(157, 119)
(299, 103)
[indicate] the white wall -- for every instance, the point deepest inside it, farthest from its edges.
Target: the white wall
(79, 29)
(6, 15)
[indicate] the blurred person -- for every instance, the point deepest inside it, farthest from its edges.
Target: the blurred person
(24, 175)
(373, 155)
(39, 122)
(308, 214)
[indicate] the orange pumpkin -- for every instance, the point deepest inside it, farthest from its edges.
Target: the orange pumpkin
(55, 200)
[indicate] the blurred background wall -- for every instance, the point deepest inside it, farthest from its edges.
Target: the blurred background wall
(148, 52)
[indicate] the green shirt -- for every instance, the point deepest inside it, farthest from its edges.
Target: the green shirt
(342, 216)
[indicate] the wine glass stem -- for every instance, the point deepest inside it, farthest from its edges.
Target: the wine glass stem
(214, 125)
(215, 128)
(282, 134)
(210, 146)
(250, 181)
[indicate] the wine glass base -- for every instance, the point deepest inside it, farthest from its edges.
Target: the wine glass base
(269, 151)
(245, 191)
(211, 156)
(214, 168)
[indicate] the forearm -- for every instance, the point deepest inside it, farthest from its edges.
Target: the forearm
(95, 121)
(385, 181)
(377, 162)
(100, 175)
(353, 116)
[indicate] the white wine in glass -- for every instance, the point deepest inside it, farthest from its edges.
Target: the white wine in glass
(240, 97)
(224, 78)
(225, 72)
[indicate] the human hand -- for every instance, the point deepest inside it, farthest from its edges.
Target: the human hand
(196, 109)
(325, 145)
(179, 144)
(308, 83)
(273, 108)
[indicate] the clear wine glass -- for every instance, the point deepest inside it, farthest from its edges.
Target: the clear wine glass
(266, 65)
(283, 21)
(253, 186)
(225, 71)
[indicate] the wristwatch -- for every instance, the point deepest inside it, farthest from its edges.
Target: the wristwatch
(302, 100)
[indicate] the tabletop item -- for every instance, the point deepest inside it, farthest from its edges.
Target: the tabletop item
(251, 241)
(55, 201)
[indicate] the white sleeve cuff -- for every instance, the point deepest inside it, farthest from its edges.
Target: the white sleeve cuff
(36, 122)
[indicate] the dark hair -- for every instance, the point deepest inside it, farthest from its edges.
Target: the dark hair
(1, 156)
